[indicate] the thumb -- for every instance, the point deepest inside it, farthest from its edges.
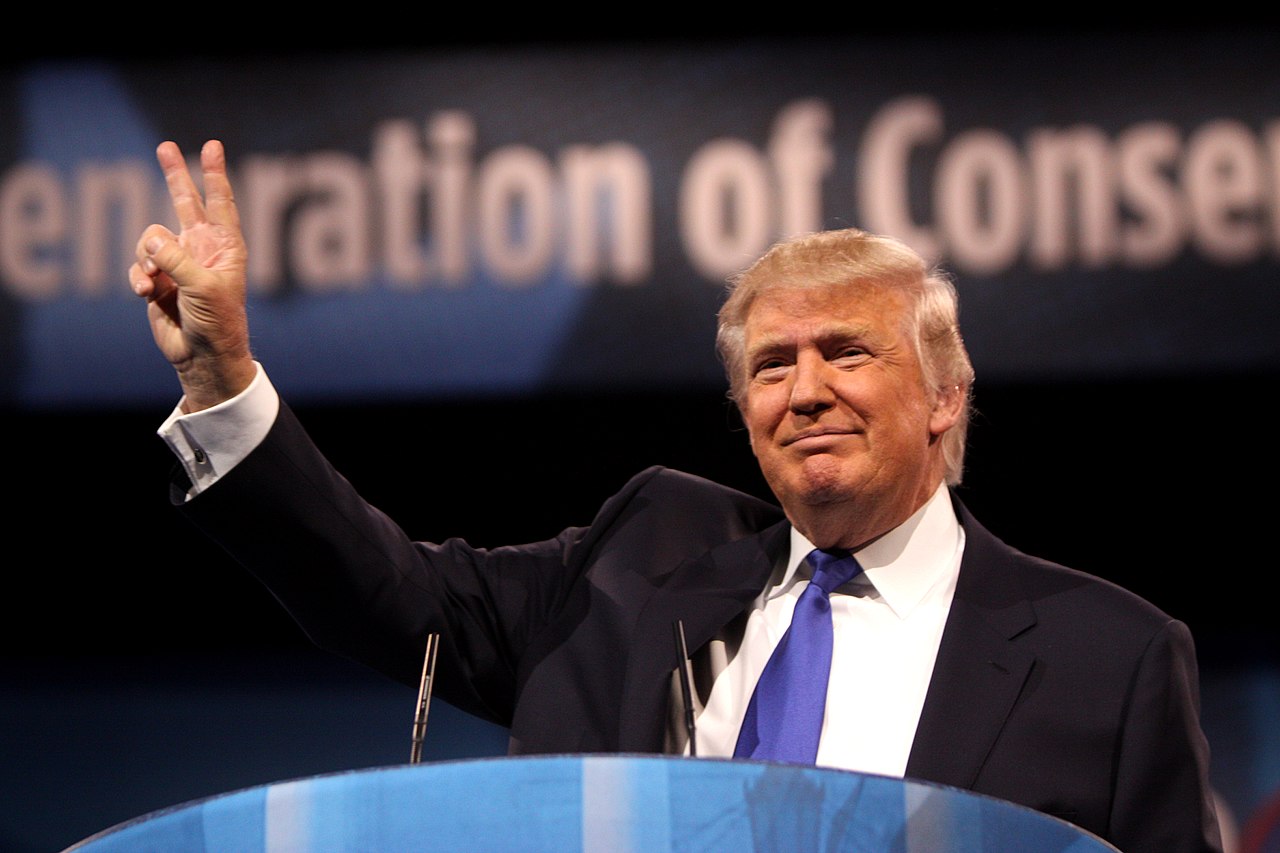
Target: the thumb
(170, 258)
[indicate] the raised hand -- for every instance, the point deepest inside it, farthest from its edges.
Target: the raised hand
(194, 281)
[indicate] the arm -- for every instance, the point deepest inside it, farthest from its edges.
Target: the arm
(359, 587)
(350, 576)
(1163, 801)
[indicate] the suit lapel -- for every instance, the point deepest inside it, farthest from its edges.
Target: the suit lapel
(705, 594)
(977, 677)
(979, 672)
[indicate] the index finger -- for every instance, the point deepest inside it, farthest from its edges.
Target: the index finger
(186, 198)
(220, 201)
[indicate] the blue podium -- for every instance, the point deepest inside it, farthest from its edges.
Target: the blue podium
(597, 804)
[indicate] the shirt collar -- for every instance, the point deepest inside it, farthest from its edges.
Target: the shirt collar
(901, 566)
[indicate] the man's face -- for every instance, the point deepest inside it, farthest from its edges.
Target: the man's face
(836, 408)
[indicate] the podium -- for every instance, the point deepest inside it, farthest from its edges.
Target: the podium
(597, 804)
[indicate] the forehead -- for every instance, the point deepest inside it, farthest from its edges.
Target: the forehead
(786, 311)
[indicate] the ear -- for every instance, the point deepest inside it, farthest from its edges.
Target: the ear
(948, 408)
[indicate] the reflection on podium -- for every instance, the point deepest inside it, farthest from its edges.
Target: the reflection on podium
(598, 804)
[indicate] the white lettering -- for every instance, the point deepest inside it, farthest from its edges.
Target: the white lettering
(427, 211)
(452, 135)
(119, 196)
(516, 208)
(724, 207)
(884, 169)
(1071, 171)
(401, 177)
(979, 200)
(1146, 154)
(330, 245)
(802, 157)
(608, 193)
(1223, 175)
(264, 199)
(33, 221)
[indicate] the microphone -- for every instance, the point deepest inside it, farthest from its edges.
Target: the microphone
(424, 698)
(686, 686)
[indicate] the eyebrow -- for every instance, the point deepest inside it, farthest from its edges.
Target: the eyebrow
(832, 332)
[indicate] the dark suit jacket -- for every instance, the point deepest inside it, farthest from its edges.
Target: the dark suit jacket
(1052, 688)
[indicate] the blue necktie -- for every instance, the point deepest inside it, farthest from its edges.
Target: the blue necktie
(784, 719)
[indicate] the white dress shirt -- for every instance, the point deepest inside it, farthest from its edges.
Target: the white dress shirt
(887, 622)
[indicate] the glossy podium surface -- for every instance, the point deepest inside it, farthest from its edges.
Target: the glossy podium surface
(597, 804)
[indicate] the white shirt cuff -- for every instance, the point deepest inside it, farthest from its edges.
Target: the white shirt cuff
(211, 442)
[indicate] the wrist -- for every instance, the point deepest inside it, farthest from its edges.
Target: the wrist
(210, 380)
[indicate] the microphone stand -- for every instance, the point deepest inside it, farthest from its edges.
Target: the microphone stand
(686, 686)
(424, 698)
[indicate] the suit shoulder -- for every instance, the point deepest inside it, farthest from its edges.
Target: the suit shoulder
(682, 489)
(1007, 574)
(1102, 613)
(683, 512)
(1044, 577)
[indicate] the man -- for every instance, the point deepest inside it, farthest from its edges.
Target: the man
(952, 657)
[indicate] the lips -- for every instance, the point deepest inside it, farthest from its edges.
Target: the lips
(814, 433)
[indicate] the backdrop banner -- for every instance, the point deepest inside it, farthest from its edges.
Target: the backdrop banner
(518, 219)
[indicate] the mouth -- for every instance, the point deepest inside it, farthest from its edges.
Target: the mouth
(815, 434)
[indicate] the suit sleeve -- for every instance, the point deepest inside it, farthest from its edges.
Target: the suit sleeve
(359, 587)
(1163, 802)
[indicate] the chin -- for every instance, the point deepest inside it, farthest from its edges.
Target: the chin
(815, 481)
(824, 497)
(824, 479)
(823, 492)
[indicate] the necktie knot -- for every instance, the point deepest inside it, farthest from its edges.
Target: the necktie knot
(832, 569)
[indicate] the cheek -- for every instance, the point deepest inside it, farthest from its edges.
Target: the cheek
(757, 437)
(762, 437)
(755, 416)
(910, 405)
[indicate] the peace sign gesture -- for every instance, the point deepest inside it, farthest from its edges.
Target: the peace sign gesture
(194, 281)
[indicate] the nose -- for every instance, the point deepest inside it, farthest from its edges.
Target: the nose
(810, 387)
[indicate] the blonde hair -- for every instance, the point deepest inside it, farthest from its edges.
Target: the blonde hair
(830, 259)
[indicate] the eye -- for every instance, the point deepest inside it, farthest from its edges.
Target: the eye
(849, 353)
(770, 369)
